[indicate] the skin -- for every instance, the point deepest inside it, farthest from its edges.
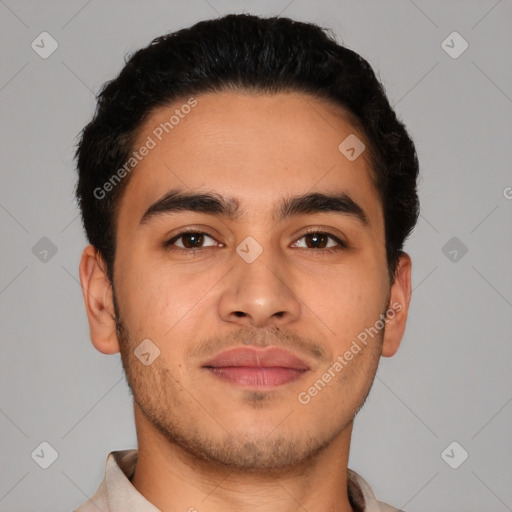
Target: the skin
(203, 442)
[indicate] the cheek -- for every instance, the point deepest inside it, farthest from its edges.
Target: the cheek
(347, 299)
(161, 300)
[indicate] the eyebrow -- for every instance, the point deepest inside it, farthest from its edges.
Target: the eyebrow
(213, 203)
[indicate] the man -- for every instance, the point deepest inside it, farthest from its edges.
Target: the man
(246, 189)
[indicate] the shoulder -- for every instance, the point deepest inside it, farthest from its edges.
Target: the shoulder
(98, 502)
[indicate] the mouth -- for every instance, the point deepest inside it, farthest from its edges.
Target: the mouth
(257, 369)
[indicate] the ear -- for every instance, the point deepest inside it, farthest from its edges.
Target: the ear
(398, 307)
(99, 303)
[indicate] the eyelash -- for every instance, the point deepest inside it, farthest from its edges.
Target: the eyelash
(341, 245)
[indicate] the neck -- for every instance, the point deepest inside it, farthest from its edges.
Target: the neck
(171, 478)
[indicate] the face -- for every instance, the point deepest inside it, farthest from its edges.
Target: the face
(251, 274)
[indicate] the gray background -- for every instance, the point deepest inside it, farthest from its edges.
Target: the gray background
(451, 379)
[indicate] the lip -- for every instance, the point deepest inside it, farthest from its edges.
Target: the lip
(264, 368)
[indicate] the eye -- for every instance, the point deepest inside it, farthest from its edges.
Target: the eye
(189, 240)
(319, 240)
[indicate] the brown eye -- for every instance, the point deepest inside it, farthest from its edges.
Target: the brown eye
(317, 240)
(189, 240)
(320, 240)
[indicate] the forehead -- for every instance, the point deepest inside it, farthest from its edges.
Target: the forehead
(256, 148)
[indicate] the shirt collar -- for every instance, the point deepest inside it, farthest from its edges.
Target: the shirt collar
(122, 495)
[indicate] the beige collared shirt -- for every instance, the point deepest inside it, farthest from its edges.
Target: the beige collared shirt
(117, 494)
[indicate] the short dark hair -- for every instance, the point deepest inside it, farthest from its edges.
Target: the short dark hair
(242, 52)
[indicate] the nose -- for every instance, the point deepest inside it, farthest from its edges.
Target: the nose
(259, 294)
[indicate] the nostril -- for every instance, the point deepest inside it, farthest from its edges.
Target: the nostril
(240, 313)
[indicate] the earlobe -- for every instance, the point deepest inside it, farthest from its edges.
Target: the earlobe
(398, 308)
(98, 299)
